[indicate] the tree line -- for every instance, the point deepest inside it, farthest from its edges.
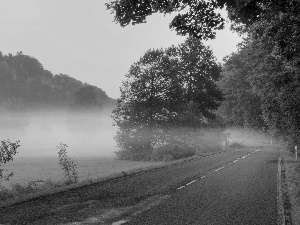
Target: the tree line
(260, 83)
(25, 84)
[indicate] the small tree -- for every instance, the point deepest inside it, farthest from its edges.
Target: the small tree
(7, 151)
(67, 164)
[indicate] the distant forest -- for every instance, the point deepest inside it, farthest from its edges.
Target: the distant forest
(26, 85)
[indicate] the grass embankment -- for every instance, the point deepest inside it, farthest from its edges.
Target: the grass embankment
(41, 176)
(291, 186)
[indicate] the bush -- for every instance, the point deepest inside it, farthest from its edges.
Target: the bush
(7, 151)
(67, 164)
(172, 152)
(235, 145)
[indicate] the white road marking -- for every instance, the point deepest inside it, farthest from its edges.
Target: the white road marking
(219, 169)
(190, 182)
(119, 222)
(223, 167)
(180, 187)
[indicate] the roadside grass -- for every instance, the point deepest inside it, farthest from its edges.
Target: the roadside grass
(42, 176)
(34, 177)
(236, 145)
(97, 198)
(18, 192)
(291, 172)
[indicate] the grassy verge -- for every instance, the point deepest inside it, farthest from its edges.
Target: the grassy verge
(291, 187)
(34, 189)
(93, 200)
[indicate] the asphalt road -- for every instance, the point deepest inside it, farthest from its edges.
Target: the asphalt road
(237, 187)
(242, 191)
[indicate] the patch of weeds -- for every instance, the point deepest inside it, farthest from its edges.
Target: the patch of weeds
(172, 152)
(236, 145)
(18, 191)
(67, 164)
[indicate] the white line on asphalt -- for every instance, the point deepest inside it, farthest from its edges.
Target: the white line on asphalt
(219, 169)
(190, 182)
(235, 161)
(180, 187)
(186, 184)
(202, 177)
(243, 157)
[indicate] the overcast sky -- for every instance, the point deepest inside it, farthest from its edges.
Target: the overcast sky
(80, 39)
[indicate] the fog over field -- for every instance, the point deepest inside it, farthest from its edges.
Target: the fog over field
(86, 134)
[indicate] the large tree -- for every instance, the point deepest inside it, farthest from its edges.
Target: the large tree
(262, 91)
(242, 104)
(167, 88)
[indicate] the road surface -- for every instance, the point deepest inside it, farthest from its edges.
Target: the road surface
(243, 191)
(236, 187)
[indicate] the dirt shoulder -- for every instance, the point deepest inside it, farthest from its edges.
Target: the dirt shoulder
(291, 186)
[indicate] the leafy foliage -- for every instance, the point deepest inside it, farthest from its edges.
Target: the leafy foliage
(242, 104)
(67, 164)
(7, 151)
(167, 88)
(197, 18)
(263, 89)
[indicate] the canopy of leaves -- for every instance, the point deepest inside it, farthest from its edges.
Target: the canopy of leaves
(172, 86)
(195, 17)
(262, 89)
(242, 105)
(167, 88)
(276, 22)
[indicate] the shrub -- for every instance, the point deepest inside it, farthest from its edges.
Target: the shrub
(67, 164)
(172, 152)
(7, 151)
(235, 145)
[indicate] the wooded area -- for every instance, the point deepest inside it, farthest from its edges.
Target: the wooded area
(26, 85)
(260, 82)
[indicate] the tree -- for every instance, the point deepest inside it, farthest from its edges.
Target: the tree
(23, 77)
(197, 18)
(198, 72)
(262, 91)
(85, 98)
(275, 22)
(278, 86)
(167, 88)
(242, 105)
